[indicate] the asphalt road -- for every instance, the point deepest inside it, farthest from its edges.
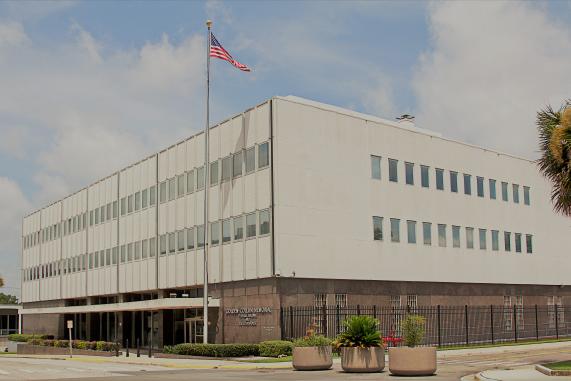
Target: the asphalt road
(452, 366)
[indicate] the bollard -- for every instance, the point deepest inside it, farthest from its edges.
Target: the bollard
(150, 350)
(117, 349)
(138, 348)
(127, 349)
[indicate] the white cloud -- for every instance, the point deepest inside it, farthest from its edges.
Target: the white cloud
(12, 34)
(491, 67)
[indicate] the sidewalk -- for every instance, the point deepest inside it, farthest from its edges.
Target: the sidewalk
(527, 373)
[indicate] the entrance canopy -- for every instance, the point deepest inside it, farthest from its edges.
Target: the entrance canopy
(144, 305)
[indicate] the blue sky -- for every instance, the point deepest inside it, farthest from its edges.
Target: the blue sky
(89, 87)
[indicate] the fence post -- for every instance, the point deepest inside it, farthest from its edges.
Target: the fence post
(324, 320)
(466, 322)
(492, 321)
(375, 311)
(515, 323)
(291, 322)
(536, 325)
(438, 325)
(358, 309)
(556, 321)
(281, 323)
(337, 322)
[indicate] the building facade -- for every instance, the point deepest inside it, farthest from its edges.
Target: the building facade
(309, 204)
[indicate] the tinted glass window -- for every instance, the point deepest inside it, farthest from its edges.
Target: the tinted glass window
(480, 186)
(482, 236)
(215, 233)
(470, 238)
(411, 231)
(424, 178)
(214, 173)
(495, 240)
(238, 228)
(227, 168)
(395, 230)
(190, 182)
(504, 191)
(375, 167)
(409, 173)
(515, 193)
(492, 183)
(264, 221)
(454, 182)
(226, 231)
(251, 225)
(526, 199)
(442, 235)
(427, 233)
(455, 236)
(377, 228)
(237, 164)
(393, 170)
(250, 160)
(467, 184)
(263, 155)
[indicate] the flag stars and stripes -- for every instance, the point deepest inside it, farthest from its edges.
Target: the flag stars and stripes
(216, 50)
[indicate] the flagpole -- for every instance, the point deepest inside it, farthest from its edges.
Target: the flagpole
(206, 186)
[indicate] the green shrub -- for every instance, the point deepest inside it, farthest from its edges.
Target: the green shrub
(101, 346)
(92, 345)
(35, 341)
(312, 341)
(214, 350)
(413, 328)
(23, 338)
(360, 331)
(61, 343)
(275, 348)
(80, 344)
(48, 343)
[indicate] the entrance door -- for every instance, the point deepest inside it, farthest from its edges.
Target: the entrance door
(193, 330)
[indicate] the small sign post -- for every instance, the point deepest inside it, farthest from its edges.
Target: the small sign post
(70, 327)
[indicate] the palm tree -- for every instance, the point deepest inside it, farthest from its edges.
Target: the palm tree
(555, 144)
(1, 282)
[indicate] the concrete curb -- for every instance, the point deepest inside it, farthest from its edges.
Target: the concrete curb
(550, 372)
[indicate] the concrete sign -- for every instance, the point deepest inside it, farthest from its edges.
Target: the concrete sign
(248, 316)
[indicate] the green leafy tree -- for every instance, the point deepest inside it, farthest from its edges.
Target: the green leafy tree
(8, 299)
(360, 331)
(555, 145)
(413, 329)
(1, 282)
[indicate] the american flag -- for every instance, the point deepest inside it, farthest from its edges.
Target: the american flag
(216, 50)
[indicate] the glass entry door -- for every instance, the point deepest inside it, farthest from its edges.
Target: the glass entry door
(193, 330)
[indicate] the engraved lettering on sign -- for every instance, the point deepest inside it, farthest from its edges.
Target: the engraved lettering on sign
(247, 316)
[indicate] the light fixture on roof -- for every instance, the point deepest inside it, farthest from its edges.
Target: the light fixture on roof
(406, 120)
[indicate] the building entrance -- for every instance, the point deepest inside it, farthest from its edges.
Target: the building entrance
(193, 330)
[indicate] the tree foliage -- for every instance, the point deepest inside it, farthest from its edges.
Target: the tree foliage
(8, 299)
(554, 128)
(360, 331)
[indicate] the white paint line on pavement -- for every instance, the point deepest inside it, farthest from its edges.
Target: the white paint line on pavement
(26, 370)
(3, 372)
(76, 369)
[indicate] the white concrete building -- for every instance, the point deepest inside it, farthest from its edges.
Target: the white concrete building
(309, 203)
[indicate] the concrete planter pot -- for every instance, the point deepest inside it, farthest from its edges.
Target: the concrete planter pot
(312, 358)
(362, 360)
(417, 361)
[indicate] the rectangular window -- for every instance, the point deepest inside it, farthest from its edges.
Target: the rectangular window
(96, 262)
(137, 201)
(180, 235)
(526, 200)
(238, 228)
(495, 240)
(109, 216)
(480, 186)
(108, 257)
(424, 177)
(264, 222)
(130, 204)
(90, 261)
(214, 233)
(411, 231)
(227, 168)
(251, 225)
(393, 170)
(102, 213)
(482, 234)
(96, 219)
(395, 230)
(190, 182)
(123, 206)
(199, 178)
(455, 236)
(467, 184)
(237, 160)
(163, 192)
(492, 183)
(172, 189)
(453, 181)
(470, 238)
(200, 236)
(442, 235)
(190, 239)
(144, 198)
(250, 160)
(152, 247)
(145, 249)
(515, 188)
(115, 209)
(504, 191)
(226, 230)
(137, 250)
(163, 244)
(152, 195)
(529, 243)
(507, 241)
(517, 237)
(123, 253)
(263, 155)
(130, 252)
(172, 243)
(375, 167)
(377, 228)
(439, 179)
(409, 173)
(427, 233)
(214, 173)
(181, 180)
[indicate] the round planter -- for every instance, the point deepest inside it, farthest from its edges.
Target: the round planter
(417, 361)
(362, 360)
(312, 358)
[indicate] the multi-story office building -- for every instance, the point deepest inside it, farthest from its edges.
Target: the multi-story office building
(309, 204)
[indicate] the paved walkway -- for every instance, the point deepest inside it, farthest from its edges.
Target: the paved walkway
(527, 373)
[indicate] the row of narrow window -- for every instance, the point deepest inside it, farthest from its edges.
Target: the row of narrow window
(442, 230)
(223, 231)
(439, 181)
(233, 166)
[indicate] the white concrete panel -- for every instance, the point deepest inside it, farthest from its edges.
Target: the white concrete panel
(163, 272)
(191, 267)
(214, 264)
(180, 270)
(227, 262)
(251, 257)
(264, 256)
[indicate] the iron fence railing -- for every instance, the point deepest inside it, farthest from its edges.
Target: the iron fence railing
(445, 325)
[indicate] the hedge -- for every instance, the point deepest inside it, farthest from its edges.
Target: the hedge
(24, 338)
(104, 346)
(214, 350)
(276, 348)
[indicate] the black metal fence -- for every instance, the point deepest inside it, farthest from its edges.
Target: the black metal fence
(445, 325)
